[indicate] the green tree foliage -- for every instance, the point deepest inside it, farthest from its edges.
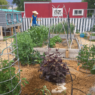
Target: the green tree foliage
(3, 2)
(20, 3)
(90, 6)
(90, 3)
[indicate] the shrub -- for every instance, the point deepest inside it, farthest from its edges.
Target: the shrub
(93, 34)
(39, 35)
(6, 74)
(85, 57)
(54, 40)
(25, 47)
(52, 68)
(93, 28)
(59, 28)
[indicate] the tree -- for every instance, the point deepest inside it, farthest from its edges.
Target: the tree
(20, 3)
(3, 2)
(90, 6)
(90, 3)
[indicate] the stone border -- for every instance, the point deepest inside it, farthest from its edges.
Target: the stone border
(73, 53)
(92, 38)
(63, 36)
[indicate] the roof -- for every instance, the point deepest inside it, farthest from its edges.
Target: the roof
(9, 10)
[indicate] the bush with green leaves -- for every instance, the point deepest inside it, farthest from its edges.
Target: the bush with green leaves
(39, 35)
(5, 75)
(54, 40)
(93, 28)
(86, 56)
(59, 28)
(25, 47)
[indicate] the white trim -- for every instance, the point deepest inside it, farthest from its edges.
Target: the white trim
(34, 2)
(78, 14)
(57, 9)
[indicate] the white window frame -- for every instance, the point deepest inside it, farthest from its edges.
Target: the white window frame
(78, 10)
(53, 9)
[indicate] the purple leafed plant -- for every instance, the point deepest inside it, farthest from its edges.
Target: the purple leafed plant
(52, 67)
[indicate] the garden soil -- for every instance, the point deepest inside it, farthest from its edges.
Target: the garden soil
(65, 45)
(85, 41)
(3, 45)
(81, 81)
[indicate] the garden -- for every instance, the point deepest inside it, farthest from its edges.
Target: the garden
(47, 73)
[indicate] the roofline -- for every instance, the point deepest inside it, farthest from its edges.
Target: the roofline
(69, 2)
(35, 2)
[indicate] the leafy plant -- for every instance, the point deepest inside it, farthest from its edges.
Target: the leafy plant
(52, 68)
(77, 31)
(86, 56)
(7, 85)
(93, 34)
(39, 35)
(25, 47)
(60, 29)
(93, 28)
(44, 90)
(54, 40)
(36, 57)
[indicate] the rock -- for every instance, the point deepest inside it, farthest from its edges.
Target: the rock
(59, 89)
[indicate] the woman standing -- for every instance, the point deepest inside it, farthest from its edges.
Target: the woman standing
(34, 19)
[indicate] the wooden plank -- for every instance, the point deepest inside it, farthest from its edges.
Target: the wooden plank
(78, 23)
(1, 33)
(87, 24)
(11, 30)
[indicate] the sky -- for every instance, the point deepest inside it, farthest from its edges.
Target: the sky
(56, 1)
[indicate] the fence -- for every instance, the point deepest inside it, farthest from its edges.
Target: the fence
(81, 24)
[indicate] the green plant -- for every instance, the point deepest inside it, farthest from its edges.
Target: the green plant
(44, 91)
(93, 28)
(5, 75)
(25, 47)
(93, 34)
(39, 35)
(59, 28)
(85, 57)
(36, 57)
(77, 31)
(54, 40)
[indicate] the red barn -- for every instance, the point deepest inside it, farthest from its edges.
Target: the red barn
(50, 9)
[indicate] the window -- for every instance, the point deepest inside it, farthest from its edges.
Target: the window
(57, 12)
(78, 12)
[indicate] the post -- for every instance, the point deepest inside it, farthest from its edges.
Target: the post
(18, 29)
(12, 31)
(1, 33)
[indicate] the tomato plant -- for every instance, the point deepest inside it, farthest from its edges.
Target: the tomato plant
(6, 82)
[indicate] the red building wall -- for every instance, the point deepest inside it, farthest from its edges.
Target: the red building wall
(45, 9)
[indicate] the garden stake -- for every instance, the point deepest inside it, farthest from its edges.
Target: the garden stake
(78, 68)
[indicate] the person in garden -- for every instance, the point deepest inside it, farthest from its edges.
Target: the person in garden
(34, 19)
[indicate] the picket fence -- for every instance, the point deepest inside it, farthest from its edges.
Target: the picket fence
(81, 24)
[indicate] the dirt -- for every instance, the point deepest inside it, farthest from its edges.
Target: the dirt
(74, 45)
(84, 41)
(81, 81)
(3, 45)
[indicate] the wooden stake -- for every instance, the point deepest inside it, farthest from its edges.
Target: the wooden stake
(67, 54)
(78, 68)
(1, 33)
(12, 31)
(18, 28)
